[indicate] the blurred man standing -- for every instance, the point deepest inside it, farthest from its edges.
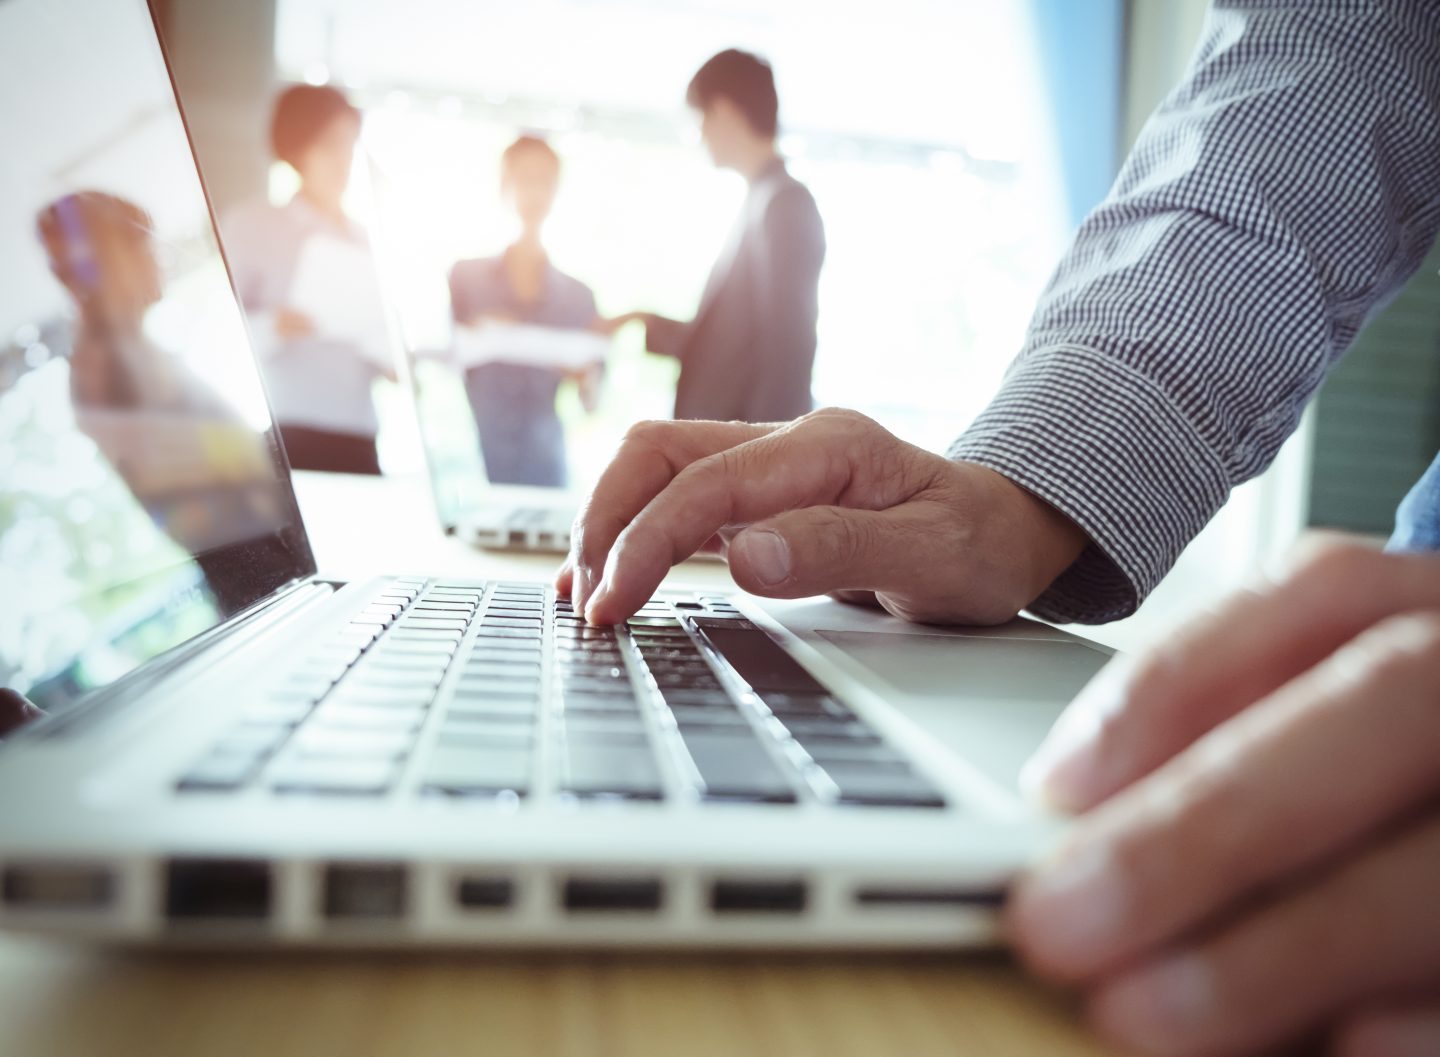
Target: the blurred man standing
(748, 353)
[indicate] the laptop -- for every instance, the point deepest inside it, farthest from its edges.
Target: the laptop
(470, 505)
(500, 478)
(238, 751)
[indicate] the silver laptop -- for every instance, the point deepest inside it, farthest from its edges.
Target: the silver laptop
(487, 514)
(236, 751)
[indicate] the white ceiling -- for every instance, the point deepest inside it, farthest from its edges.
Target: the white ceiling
(942, 72)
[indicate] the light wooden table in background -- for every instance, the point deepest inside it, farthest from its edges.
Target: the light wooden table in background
(64, 1000)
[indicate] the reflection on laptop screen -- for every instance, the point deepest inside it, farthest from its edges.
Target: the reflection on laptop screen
(144, 498)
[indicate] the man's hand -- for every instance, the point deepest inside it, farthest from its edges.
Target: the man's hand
(831, 502)
(15, 712)
(1261, 856)
(609, 325)
(291, 323)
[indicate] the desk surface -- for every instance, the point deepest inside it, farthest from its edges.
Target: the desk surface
(60, 1000)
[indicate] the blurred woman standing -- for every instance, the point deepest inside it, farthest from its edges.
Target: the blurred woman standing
(320, 383)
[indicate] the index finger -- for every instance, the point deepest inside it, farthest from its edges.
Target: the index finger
(810, 462)
(649, 457)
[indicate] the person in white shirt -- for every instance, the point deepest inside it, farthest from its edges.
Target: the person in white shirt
(320, 384)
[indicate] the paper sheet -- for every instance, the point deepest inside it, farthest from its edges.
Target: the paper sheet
(336, 286)
(533, 346)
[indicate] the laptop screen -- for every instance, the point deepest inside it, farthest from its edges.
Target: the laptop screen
(143, 496)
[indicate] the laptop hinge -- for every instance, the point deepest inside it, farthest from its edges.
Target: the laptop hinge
(111, 700)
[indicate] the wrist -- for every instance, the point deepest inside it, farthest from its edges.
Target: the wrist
(1035, 541)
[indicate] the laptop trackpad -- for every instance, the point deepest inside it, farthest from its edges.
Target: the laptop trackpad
(988, 698)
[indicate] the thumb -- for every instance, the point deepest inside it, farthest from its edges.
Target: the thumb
(816, 550)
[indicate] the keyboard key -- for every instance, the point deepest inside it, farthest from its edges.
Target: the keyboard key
(503, 607)
(307, 685)
(666, 655)
(610, 768)
(426, 664)
(686, 680)
(360, 634)
(338, 652)
(374, 676)
(588, 726)
(518, 682)
(509, 622)
(809, 705)
(803, 728)
(467, 770)
(694, 665)
(827, 751)
(278, 710)
(893, 785)
(692, 716)
(250, 739)
(339, 777)
(220, 773)
(493, 707)
(377, 619)
(657, 621)
(391, 697)
(698, 698)
(411, 623)
(352, 744)
(495, 734)
(599, 686)
(412, 634)
(758, 659)
(368, 717)
(486, 669)
(485, 634)
(736, 766)
(580, 702)
(443, 607)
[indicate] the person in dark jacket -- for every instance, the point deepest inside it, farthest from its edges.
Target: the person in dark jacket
(749, 351)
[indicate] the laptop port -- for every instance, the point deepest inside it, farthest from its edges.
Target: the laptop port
(584, 895)
(56, 887)
(881, 897)
(485, 893)
(516, 537)
(217, 890)
(365, 892)
(758, 897)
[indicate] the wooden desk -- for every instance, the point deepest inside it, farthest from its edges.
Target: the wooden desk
(60, 1000)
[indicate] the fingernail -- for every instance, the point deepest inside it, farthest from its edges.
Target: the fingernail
(596, 597)
(1067, 771)
(1162, 1007)
(766, 553)
(1072, 905)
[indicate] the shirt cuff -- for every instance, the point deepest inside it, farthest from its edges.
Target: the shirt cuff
(1111, 450)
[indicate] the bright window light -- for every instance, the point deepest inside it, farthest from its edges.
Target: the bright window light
(921, 126)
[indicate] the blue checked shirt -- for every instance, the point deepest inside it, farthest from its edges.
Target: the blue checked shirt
(1280, 195)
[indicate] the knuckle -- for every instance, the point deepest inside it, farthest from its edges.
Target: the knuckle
(1399, 650)
(1326, 560)
(842, 419)
(648, 433)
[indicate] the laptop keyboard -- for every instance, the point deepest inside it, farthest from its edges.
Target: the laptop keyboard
(462, 690)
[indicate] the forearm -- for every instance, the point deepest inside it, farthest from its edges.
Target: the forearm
(664, 337)
(1285, 190)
